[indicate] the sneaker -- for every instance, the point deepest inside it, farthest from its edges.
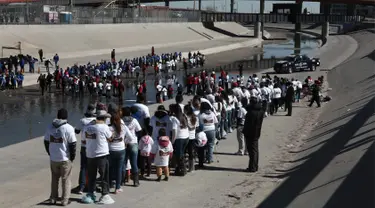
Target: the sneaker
(230, 130)
(246, 153)
(65, 202)
(118, 191)
(106, 199)
(166, 178)
(158, 179)
(239, 153)
(51, 201)
(88, 199)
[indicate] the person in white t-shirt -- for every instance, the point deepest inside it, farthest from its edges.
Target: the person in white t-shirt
(97, 134)
(207, 123)
(241, 113)
(117, 148)
(180, 137)
(298, 90)
(160, 120)
(143, 113)
(161, 152)
(60, 144)
(132, 123)
(193, 124)
(145, 144)
(276, 98)
(89, 117)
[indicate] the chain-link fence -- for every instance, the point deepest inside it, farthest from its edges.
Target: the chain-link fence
(43, 14)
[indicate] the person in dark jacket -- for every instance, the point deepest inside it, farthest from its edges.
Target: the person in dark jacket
(253, 123)
(315, 95)
(289, 98)
(40, 52)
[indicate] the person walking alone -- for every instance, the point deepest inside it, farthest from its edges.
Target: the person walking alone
(289, 98)
(60, 144)
(253, 123)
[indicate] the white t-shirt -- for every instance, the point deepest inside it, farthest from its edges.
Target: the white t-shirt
(96, 140)
(142, 114)
(117, 143)
(82, 123)
(276, 93)
(157, 124)
(241, 115)
(145, 145)
(182, 106)
(59, 139)
(192, 128)
(176, 125)
(100, 85)
(201, 139)
(108, 86)
(208, 121)
(162, 154)
(133, 126)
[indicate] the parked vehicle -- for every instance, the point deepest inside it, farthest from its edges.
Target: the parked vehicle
(296, 63)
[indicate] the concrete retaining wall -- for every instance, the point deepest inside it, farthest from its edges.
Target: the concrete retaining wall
(87, 40)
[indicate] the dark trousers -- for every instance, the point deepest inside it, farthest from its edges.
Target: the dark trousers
(201, 156)
(315, 99)
(101, 165)
(190, 149)
(83, 169)
(253, 149)
(275, 105)
(145, 163)
(288, 106)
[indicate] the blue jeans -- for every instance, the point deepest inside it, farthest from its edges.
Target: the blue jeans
(116, 162)
(210, 145)
(83, 169)
(179, 147)
(131, 153)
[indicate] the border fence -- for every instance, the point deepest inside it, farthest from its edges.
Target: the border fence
(45, 14)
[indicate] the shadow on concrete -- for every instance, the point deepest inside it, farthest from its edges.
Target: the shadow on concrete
(304, 173)
(211, 26)
(360, 178)
(325, 184)
(370, 56)
(45, 202)
(215, 168)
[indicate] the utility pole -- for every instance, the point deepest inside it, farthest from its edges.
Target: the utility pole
(262, 5)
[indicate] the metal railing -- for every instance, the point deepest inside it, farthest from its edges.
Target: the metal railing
(277, 18)
(36, 14)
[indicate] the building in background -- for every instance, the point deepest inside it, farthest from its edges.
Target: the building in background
(347, 9)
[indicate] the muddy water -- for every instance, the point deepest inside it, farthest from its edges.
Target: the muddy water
(24, 114)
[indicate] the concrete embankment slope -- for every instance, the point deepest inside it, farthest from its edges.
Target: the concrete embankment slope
(90, 40)
(335, 166)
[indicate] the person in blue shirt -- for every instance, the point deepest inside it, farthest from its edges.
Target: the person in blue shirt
(56, 59)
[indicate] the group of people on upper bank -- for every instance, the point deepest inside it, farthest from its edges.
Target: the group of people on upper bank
(125, 143)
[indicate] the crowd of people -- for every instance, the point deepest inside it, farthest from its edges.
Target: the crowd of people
(123, 143)
(105, 78)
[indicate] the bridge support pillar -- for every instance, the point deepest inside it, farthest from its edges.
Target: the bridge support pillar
(166, 3)
(297, 43)
(258, 30)
(325, 30)
(297, 26)
(199, 5)
(232, 6)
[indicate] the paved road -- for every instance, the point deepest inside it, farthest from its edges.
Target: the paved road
(28, 176)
